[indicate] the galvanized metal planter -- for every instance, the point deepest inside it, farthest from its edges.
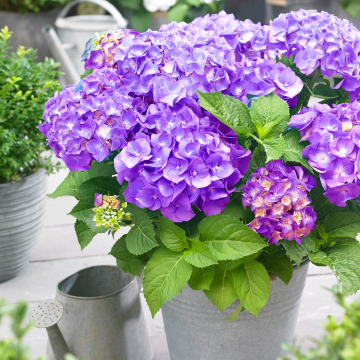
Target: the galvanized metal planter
(22, 209)
(196, 330)
(103, 317)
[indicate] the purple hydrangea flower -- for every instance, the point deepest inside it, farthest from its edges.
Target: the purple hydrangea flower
(334, 149)
(277, 195)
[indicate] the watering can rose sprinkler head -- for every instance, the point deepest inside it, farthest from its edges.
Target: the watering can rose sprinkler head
(46, 315)
(108, 212)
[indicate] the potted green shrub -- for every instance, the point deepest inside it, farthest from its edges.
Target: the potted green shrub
(25, 87)
(201, 139)
(27, 17)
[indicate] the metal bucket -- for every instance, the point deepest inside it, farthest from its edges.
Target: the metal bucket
(75, 31)
(22, 210)
(103, 317)
(196, 330)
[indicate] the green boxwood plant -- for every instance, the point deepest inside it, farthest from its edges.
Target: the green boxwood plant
(25, 86)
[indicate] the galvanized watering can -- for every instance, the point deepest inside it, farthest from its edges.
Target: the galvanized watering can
(96, 315)
(68, 42)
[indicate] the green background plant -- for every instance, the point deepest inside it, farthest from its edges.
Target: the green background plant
(25, 86)
(13, 348)
(352, 7)
(24, 6)
(342, 339)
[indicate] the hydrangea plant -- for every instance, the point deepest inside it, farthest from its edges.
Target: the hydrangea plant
(205, 131)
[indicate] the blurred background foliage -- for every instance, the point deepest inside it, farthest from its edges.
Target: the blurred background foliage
(342, 338)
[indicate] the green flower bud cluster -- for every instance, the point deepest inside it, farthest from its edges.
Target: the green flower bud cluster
(109, 217)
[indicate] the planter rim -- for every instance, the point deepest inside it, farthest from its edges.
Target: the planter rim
(37, 172)
(94, 297)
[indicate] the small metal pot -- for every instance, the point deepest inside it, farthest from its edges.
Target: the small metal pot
(196, 330)
(22, 210)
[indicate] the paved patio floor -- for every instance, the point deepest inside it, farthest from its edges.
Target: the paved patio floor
(58, 255)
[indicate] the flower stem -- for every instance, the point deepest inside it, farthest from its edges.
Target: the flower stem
(313, 77)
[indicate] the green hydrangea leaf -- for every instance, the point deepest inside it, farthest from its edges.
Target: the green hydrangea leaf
(323, 91)
(165, 276)
(343, 260)
(191, 227)
(126, 261)
(74, 179)
(274, 148)
(234, 208)
(293, 148)
(221, 293)
(229, 110)
(201, 278)
(199, 254)
(345, 224)
(84, 234)
(172, 236)
(270, 115)
(252, 286)
(279, 266)
(232, 264)
(141, 238)
(296, 251)
(228, 238)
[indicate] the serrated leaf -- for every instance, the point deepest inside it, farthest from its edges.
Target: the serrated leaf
(221, 293)
(252, 286)
(346, 224)
(343, 260)
(279, 266)
(191, 227)
(232, 264)
(229, 110)
(83, 233)
(199, 254)
(74, 179)
(297, 251)
(270, 115)
(323, 91)
(102, 185)
(234, 208)
(293, 148)
(141, 238)
(228, 238)
(165, 276)
(67, 188)
(274, 148)
(126, 261)
(201, 278)
(172, 236)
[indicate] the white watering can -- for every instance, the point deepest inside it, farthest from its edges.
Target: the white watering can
(68, 42)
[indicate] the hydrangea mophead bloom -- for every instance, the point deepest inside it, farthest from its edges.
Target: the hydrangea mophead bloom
(334, 150)
(142, 98)
(277, 195)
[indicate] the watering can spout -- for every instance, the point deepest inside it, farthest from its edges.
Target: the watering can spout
(60, 55)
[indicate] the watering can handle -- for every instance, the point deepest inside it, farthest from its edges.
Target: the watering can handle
(103, 3)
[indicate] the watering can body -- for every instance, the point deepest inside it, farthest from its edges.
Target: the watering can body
(68, 42)
(102, 316)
